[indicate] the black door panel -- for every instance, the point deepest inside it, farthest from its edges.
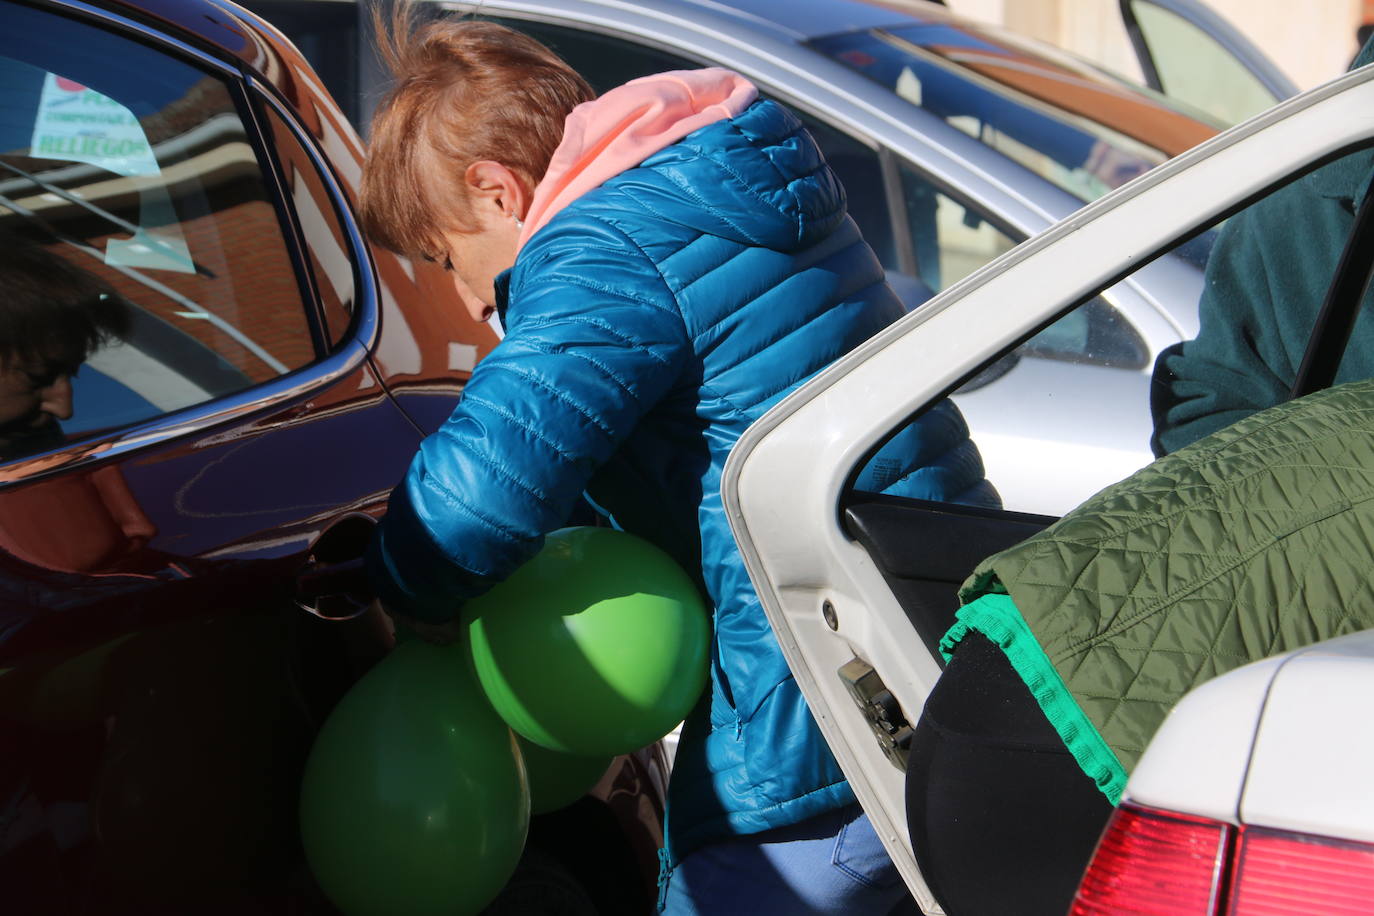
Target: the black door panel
(925, 550)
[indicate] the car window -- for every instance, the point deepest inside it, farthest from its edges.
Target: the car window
(952, 239)
(1073, 408)
(604, 61)
(1194, 68)
(945, 239)
(860, 171)
(133, 176)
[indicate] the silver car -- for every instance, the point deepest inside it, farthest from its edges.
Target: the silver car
(955, 142)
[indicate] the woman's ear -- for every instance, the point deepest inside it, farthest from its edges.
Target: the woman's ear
(492, 184)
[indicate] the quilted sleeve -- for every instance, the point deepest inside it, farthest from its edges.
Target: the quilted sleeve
(595, 340)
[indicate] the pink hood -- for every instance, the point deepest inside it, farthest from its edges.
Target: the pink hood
(622, 128)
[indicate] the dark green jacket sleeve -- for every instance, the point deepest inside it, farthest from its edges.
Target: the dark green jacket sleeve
(1265, 282)
(1240, 361)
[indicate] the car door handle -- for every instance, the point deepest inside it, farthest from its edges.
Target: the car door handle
(317, 580)
(333, 583)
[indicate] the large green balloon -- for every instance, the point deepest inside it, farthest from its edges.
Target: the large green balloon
(597, 646)
(414, 798)
(557, 779)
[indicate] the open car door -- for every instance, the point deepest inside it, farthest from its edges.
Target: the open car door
(859, 588)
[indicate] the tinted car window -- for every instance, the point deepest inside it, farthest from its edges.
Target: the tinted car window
(135, 172)
(1050, 437)
(326, 32)
(948, 239)
(952, 239)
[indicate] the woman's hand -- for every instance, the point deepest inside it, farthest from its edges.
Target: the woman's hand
(440, 634)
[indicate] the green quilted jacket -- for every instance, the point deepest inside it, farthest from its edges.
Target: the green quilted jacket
(1253, 541)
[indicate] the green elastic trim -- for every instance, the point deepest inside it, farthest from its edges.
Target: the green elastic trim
(997, 617)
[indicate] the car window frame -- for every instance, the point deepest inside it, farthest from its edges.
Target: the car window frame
(247, 90)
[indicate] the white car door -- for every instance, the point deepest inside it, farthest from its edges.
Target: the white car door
(859, 588)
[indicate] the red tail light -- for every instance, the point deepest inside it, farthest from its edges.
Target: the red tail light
(1151, 862)
(1285, 873)
(1165, 864)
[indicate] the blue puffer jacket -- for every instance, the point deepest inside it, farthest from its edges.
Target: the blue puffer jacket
(648, 324)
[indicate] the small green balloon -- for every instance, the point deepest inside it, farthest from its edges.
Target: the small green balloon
(414, 798)
(557, 779)
(597, 646)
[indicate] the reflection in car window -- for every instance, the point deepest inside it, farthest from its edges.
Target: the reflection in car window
(1086, 136)
(136, 169)
(53, 316)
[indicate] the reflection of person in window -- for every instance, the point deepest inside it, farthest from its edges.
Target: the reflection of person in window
(52, 317)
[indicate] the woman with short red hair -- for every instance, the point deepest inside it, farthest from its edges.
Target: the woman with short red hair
(668, 261)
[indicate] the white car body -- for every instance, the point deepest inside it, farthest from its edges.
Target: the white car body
(827, 598)
(1243, 748)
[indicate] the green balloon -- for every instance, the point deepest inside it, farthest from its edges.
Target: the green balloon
(414, 798)
(557, 779)
(597, 646)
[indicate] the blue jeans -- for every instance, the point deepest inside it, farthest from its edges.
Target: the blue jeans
(833, 863)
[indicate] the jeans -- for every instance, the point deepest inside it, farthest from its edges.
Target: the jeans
(833, 863)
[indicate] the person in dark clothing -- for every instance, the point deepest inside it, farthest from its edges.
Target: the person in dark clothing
(1265, 283)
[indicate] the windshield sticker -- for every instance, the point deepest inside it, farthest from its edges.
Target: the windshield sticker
(76, 124)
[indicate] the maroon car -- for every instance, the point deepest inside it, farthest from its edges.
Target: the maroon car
(239, 382)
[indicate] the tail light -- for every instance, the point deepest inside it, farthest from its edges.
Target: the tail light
(1279, 872)
(1166, 864)
(1150, 862)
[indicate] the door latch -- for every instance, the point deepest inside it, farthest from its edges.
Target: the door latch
(880, 708)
